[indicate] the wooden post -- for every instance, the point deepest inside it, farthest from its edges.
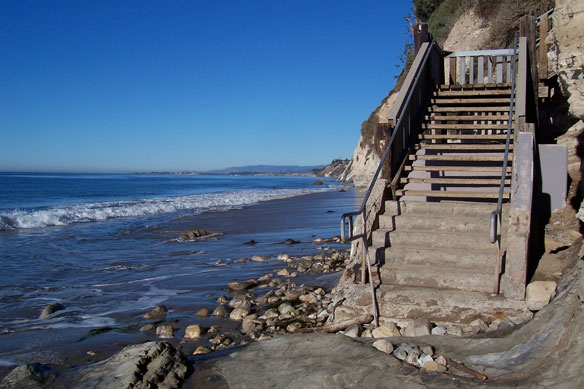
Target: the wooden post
(452, 70)
(543, 32)
(420, 31)
(527, 29)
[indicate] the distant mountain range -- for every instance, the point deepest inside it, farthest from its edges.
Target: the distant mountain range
(270, 169)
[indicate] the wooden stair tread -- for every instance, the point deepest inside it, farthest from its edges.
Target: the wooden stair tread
(486, 169)
(435, 108)
(457, 181)
(462, 158)
(473, 92)
(450, 194)
(433, 116)
(437, 126)
(475, 86)
(442, 100)
(462, 146)
(464, 136)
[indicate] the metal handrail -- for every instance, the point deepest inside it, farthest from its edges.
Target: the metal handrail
(362, 210)
(495, 222)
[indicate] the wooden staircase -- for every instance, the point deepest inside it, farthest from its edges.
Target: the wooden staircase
(461, 145)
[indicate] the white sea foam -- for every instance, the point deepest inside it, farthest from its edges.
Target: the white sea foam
(80, 213)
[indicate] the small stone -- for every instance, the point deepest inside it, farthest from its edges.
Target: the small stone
(309, 298)
(203, 312)
(478, 325)
(366, 333)
(412, 359)
(284, 273)
(433, 366)
(248, 326)
(286, 308)
(318, 241)
(293, 327)
(221, 311)
(418, 327)
(317, 182)
(223, 299)
(452, 329)
(385, 331)
(293, 275)
(201, 350)
(193, 331)
(164, 331)
(258, 258)
(291, 241)
(50, 309)
(157, 313)
(241, 260)
(239, 301)
(424, 358)
(239, 313)
(147, 327)
(284, 257)
(319, 291)
(251, 242)
(428, 350)
(539, 293)
(91, 353)
(383, 345)
(439, 330)
(441, 360)
(401, 352)
(219, 262)
(353, 331)
(265, 278)
(241, 285)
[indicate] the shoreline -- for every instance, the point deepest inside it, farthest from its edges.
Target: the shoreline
(275, 222)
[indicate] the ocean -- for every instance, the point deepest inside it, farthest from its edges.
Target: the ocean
(108, 247)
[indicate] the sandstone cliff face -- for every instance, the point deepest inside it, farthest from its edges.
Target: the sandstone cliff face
(567, 44)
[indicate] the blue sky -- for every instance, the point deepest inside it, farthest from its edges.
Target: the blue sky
(190, 85)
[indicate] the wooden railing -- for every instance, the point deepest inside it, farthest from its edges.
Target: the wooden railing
(480, 67)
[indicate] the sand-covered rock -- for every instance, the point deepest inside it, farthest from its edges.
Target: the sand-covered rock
(50, 309)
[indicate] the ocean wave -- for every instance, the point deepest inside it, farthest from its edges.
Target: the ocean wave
(90, 212)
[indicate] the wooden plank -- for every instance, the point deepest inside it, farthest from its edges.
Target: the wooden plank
(499, 69)
(462, 67)
(471, 71)
(463, 136)
(452, 194)
(441, 100)
(436, 126)
(473, 92)
(485, 169)
(479, 53)
(461, 158)
(456, 181)
(476, 87)
(452, 72)
(463, 146)
(481, 70)
(509, 60)
(434, 116)
(490, 62)
(543, 60)
(435, 108)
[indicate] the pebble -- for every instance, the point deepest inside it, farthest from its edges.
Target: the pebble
(383, 345)
(452, 329)
(418, 327)
(441, 360)
(239, 313)
(439, 330)
(424, 358)
(239, 301)
(428, 350)
(203, 312)
(284, 273)
(258, 258)
(433, 366)
(201, 350)
(193, 331)
(223, 299)
(147, 327)
(386, 330)
(241, 285)
(353, 331)
(50, 309)
(265, 278)
(478, 325)
(157, 313)
(164, 332)
(286, 308)
(219, 262)
(221, 311)
(309, 298)
(293, 327)
(284, 257)
(240, 260)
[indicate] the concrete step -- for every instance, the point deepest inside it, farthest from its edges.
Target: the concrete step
(454, 209)
(463, 223)
(460, 194)
(438, 277)
(440, 239)
(399, 303)
(482, 261)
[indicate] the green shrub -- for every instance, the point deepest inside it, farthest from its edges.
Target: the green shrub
(423, 9)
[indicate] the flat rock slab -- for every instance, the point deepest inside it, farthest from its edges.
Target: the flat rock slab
(311, 361)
